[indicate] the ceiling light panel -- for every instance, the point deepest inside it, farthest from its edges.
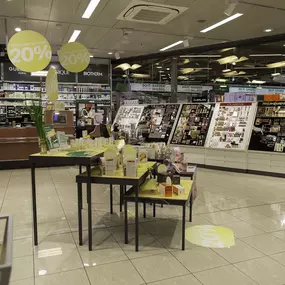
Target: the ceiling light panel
(171, 46)
(223, 22)
(74, 36)
(90, 9)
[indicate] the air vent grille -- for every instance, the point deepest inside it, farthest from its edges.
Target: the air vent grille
(148, 12)
(150, 16)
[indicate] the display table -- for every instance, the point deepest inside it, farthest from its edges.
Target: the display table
(149, 193)
(41, 160)
(117, 179)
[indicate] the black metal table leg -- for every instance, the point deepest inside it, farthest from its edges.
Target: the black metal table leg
(111, 198)
(137, 216)
(144, 210)
(126, 222)
(80, 169)
(183, 226)
(121, 198)
(79, 195)
(190, 208)
(34, 201)
(153, 209)
(89, 199)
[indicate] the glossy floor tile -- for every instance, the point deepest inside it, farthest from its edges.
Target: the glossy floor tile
(246, 204)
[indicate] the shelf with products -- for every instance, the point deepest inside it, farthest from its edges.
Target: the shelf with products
(192, 126)
(268, 133)
(157, 121)
(230, 126)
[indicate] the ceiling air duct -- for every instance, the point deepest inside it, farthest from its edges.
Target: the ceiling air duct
(150, 13)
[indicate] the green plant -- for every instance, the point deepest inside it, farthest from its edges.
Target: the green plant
(36, 113)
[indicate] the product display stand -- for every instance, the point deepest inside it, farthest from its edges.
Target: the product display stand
(39, 160)
(117, 179)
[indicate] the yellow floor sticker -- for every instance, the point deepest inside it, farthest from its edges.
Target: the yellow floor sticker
(210, 236)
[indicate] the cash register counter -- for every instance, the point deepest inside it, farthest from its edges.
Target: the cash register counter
(16, 144)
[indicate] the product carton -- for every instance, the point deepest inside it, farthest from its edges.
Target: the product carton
(165, 189)
(178, 189)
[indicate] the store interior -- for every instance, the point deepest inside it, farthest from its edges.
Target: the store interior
(142, 142)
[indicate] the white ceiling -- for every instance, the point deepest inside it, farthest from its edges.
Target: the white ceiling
(102, 33)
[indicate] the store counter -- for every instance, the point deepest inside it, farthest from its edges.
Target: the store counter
(16, 144)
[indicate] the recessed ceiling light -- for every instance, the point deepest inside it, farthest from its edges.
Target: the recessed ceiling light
(235, 16)
(90, 9)
(110, 53)
(18, 29)
(159, 67)
(267, 30)
(167, 68)
(91, 55)
(171, 46)
(74, 36)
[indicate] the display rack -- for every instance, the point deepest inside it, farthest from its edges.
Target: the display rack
(193, 124)
(128, 117)
(268, 133)
(157, 121)
(231, 125)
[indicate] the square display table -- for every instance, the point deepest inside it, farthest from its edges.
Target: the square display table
(80, 158)
(149, 193)
(118, 178)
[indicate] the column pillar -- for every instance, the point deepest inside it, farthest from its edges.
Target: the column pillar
(174, 74)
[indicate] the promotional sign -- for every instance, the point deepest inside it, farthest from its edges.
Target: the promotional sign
(210, 236)
(11, 111)
(95, 73)
(74, 57)
(52, 85)
(29, 51)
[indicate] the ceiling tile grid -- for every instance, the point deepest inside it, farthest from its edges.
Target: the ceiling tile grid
(103, 32)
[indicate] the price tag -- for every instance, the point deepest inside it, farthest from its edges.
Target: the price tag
(74, 57)
(52, 85)
(29, 51)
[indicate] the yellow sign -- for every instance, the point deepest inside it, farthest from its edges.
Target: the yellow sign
(210, 236)
(52, 85)
(29, 51)
(74, 57)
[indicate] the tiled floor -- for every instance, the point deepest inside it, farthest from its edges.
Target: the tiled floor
(252, 206)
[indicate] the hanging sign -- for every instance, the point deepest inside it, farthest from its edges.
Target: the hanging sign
(52, 85)
(95, 73)
(74, 57)
(29, 51)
